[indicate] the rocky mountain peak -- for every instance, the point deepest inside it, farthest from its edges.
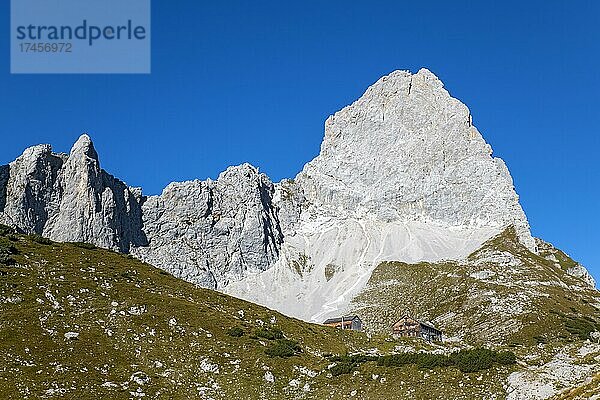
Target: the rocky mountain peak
(407, 150)
(402, 175)
(34, 153)
(84, 147)
(70, 198)
(244, 169)
(213, 232)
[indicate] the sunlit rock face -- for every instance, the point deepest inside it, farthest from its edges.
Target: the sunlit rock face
(70, 198)
(402, 175)
(213, 232)
(408, 151)
(208, 233)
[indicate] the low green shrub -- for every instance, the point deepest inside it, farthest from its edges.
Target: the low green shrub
(6, 230)
(7, 250)
(473, 360)
(235, 332)
(580, 327)
(269, 333)
(397, 360)
(431, 361)
(355, 358)
(283, 348)
(342, 368)
(348, 363)
(40, 239)
(6, 259)
(506, 358)
(127, 275)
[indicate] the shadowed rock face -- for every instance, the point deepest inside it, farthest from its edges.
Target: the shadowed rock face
(4, 171)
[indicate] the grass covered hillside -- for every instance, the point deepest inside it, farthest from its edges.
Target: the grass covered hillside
(541, 306)
(502, 293)
(82, 322)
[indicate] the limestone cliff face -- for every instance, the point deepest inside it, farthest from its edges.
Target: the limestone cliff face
(407, 150)
(212, 232)
(402, 175)
(29, 188)
(69, 198)
(205, 232)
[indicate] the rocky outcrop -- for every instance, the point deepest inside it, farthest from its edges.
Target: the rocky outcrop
(290, 201)
(212, 232)
(30, 189)
(3, 182)
(94, 206)
(579, 271)
(70, 198)
(563, 261)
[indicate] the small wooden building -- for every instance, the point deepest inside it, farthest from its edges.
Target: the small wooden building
(410, 327)
(350, 322)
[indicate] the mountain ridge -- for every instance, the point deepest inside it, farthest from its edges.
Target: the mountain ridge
(403, 175)
(405, 210)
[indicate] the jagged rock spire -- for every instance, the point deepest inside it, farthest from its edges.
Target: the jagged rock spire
(84, 147)
(70, 198)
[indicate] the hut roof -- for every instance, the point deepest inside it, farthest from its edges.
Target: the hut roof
(339, 319)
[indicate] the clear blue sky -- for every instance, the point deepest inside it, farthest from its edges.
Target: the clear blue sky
(254, 81)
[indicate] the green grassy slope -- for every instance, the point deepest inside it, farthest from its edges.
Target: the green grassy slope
(503, 294)
(143, 334)
(140, 333)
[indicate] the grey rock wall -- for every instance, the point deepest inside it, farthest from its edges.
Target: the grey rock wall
(405, 151)
(211, 232)
(207, 232)
(70, 198)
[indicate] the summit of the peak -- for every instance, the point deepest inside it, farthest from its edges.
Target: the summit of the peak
(407, 150)
(85, 146)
